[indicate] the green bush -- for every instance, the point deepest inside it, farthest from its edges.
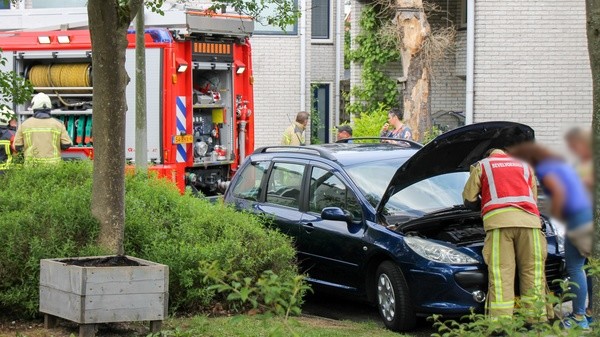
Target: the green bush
(46, 214)
(369, 124)
(529, 320)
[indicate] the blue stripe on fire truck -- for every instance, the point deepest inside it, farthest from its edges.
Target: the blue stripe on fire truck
(181, 118)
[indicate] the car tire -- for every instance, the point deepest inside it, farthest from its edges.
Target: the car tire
(393, 299)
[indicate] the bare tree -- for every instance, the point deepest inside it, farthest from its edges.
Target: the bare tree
(420, 46)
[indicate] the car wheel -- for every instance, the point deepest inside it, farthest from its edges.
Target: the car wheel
(393, 300)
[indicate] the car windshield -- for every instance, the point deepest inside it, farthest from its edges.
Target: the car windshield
(423, 197)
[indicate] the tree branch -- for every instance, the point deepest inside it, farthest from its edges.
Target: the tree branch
(133, 8)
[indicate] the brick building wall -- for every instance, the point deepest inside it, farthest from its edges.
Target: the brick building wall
(532, 66)
(323, 66)
(276, 86)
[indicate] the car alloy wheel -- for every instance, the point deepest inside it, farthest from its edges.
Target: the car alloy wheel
(393, 297)
(386, 298)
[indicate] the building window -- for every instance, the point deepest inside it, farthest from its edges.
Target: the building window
(4, 5)
(320, 24)
(319, 119)
(58, 3)
(262, 28)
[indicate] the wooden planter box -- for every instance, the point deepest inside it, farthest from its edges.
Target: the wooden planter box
(90, 295)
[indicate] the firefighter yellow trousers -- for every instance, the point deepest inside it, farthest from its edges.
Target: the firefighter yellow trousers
(512, 250)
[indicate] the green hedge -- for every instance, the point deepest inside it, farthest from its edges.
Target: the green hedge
(45, 213)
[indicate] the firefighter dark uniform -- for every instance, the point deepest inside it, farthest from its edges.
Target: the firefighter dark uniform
(6, 139)
(6, 147)
(42, 137)
(514, 240)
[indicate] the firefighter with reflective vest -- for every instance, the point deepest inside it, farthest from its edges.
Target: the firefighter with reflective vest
(7, 137)
(42, 137)
(294, 134)
(505, 190)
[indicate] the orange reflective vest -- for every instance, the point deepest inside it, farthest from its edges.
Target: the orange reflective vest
(506, 182)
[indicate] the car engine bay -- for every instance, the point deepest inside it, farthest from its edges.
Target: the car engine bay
(458, 230)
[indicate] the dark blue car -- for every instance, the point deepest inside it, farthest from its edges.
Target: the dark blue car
(383, 222)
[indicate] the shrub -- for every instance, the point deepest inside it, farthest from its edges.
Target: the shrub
(431, 134)
(528, 320)
(46, 214)
(369, 124)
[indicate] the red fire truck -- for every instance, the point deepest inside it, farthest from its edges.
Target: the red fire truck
(199, 93)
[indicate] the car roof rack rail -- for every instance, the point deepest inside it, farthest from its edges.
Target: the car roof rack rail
(299, 149)
(410, 143)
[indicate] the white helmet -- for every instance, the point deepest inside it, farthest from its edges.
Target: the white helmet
(41, 101)
(6, 115)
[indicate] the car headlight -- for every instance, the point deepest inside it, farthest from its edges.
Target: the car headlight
(436, 252)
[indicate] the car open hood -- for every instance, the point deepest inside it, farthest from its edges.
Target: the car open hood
(453, 151)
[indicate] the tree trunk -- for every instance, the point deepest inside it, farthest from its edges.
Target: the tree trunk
(141, 131)
(414, 28)
(108, 22)
(593, 35)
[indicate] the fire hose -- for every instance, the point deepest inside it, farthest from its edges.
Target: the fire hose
(61, 75)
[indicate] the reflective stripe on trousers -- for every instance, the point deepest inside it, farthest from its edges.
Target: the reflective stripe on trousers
(6, 145)
(506, 251)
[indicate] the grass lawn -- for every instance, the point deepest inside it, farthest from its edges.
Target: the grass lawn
(201, 326)
(258, 326)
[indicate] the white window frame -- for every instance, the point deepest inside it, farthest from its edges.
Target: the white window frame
(331, 27)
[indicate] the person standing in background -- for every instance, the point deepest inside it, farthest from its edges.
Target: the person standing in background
(344, 132)
(579, 142)
(570, 204)
(42, 137)
(400, 130)
(7, 137)
(294, 134)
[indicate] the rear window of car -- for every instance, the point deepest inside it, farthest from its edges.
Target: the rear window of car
(248, 185)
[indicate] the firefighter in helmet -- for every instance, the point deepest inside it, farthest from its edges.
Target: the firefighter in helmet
(504, 189)
(42, 137)
(7, 137)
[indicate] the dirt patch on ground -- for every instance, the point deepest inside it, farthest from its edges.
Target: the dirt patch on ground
(320, 322)
(35, 328)
(110, 261)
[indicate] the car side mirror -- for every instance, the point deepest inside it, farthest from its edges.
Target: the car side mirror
(336, 214)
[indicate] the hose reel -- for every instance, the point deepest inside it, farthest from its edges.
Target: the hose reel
(62, 75)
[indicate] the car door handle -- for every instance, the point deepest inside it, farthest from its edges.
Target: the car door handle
(308, 227)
